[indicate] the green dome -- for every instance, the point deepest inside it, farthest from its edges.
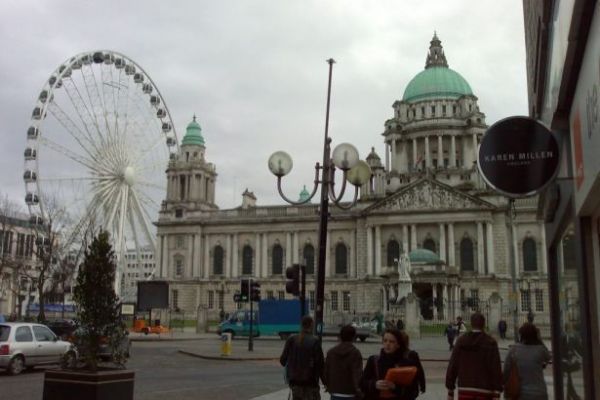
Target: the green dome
(424, 256)
(193, 134)
(304, 195)
(436, 82)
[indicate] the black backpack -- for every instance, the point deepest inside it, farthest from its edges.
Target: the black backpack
(301, 360)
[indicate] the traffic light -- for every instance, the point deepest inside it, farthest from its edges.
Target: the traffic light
(293, 280)
(254, 291)
(244, 290)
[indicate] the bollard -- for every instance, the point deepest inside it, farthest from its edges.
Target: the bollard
(226, 344)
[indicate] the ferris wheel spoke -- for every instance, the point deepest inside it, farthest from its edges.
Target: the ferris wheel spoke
(151, 184)
(82, 110)
(142, 154)
(69, 153)
(158, 165)
(115, 205)
(71, 127)
(122, 220)
(149, 201)
(138, 210)
(98, 109)
(121, 107)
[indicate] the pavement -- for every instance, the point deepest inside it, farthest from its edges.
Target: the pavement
(433, 351)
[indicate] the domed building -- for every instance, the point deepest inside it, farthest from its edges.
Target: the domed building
(425, 199)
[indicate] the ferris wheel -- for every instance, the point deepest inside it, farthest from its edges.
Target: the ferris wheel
(99, 142)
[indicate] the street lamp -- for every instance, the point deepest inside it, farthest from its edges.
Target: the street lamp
(357, 172)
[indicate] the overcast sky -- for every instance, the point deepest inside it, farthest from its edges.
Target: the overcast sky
(254, 72)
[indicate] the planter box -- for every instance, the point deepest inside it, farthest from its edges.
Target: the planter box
(100, 385)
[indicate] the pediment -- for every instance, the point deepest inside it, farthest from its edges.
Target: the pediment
(429, 195)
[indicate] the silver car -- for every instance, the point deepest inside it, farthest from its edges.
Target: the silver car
(25, 345)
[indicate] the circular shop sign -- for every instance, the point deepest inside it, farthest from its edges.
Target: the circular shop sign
(518, 156)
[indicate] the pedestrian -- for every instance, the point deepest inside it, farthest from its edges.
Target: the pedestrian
(394, 353)
(450, 333)
(413, 355)
(502, 328)
(475, 364)
(400, 325)
(303, 359)
(531, 357)
(530, 316)
(460, 326)
(343, 368)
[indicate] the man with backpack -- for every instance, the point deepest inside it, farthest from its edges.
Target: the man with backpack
(303, 359)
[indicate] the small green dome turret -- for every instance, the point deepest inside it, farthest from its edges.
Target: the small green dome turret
(304, 195)
(424, 256)
(193, 134)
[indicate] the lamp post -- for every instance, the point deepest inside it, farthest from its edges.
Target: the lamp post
(357, 172)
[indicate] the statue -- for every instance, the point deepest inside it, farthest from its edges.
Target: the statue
(404, 281)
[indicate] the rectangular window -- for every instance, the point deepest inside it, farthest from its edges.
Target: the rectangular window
(178, 267)
(433, 110)
(525, 300)
(221, 300)
(211, 299)
(280, 294)
(346, 301)
(539, 300)
(175, 295)
(270, 295)
(334, 301)
(311, 299)
(444, 109)
(422, 112)
(453, 109)
(474, 296)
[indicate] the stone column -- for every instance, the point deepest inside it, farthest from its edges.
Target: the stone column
(452, 151)
(516, 250)
(394, 157)
(440, 152)
(206, 266)
(228, 258)
(445, 302)
(198, 254)
(369, 250)
(480, 249)
(405, 247)
(490, 248)
(443, 242)
(257, 257)
(288, 249)
(162, 266)
(544, 258)
(451, 254)
(474, 148)
(352, 254)
(387, 156)
(427, 154)
(235, 269)
(413, 237)
(295, 249)
(265, 257)
(414, 148)
(377, 250)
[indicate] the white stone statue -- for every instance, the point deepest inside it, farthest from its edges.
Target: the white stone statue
(404, 281)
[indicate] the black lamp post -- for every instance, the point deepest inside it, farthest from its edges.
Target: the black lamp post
(357, 172)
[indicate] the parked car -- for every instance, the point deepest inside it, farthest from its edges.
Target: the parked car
(104, 350)
(334, 330)
(26, 345)
(63, 328)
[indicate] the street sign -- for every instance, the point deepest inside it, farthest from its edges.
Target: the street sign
(518, 156)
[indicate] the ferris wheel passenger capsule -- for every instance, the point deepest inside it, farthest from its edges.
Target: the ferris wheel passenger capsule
(119, 63)
(36, 220)
(43, 96)
(166, 127)
(37, 113)
(130, 69)
(109, 58)
(98, 57)
(170, 141)
(147, 88)
(86, 59)
(29, 176)
(76, 65)
(31, 199)
(138, 78)
(154, 100)
(33, 132)
(161, 113)
(30, 154)
(173, 156)
(52, 80)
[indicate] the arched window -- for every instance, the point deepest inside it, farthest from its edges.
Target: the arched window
(529, 255)
(341, 259)
(218, 260)
(467, 261)
(277, 260)
(429, 244)
(179, 266)
(393, 252)
(247, 255)
(309, 258)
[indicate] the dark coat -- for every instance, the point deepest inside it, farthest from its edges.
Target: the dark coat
(303, 357)
(475, 363)
(386, 361)
(343, 370)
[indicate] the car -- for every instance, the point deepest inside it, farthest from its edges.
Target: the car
(334, 330)
(63, 328)
(26, 345)
(104, 350)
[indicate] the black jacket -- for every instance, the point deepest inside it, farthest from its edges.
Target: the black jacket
(303, 358)
(343, 370)
(386, 361)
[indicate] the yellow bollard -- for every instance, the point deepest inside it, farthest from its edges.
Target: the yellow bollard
(226, 344)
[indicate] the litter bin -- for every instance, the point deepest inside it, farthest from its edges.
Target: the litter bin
(226, 344)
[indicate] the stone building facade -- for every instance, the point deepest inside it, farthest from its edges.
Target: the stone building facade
(425, 199)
